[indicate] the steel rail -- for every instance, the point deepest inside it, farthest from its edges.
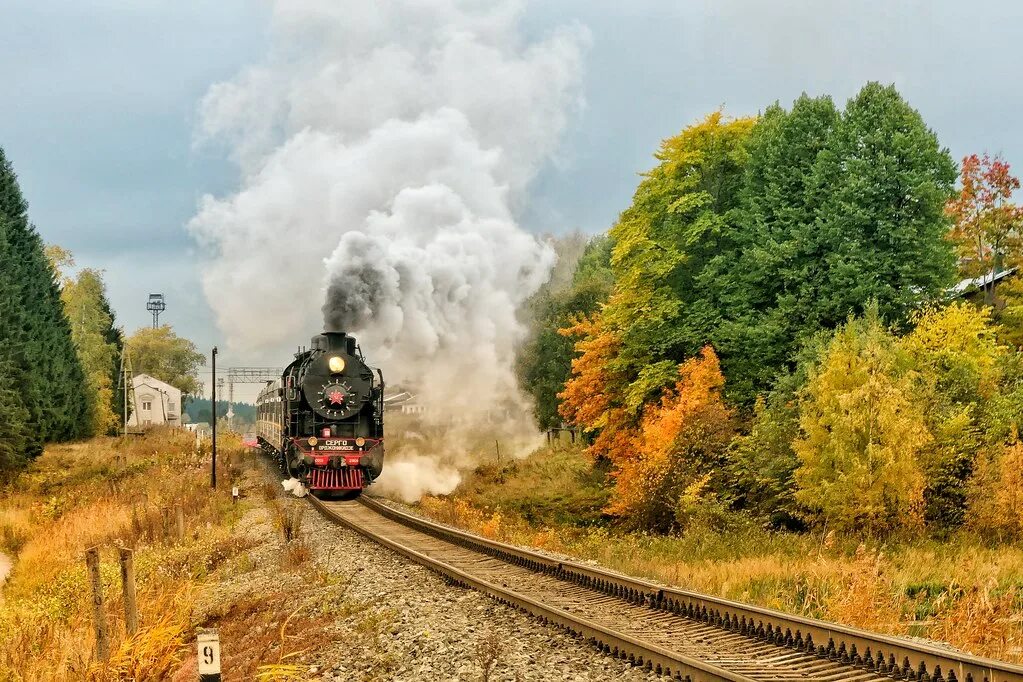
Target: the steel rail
(894, 657)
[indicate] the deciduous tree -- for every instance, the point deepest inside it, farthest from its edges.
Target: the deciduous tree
(678, 451)
(958, 362)
(545, 359)
(164, 355)
(862, 432)
(95, 337)
(986, 222)
(677, 224)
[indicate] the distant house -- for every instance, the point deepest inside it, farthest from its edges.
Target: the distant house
(200, 429)
(157, 403)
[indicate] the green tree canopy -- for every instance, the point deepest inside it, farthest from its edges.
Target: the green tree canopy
(164, 355)
(836, 209)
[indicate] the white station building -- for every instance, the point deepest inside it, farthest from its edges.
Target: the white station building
(157, 403)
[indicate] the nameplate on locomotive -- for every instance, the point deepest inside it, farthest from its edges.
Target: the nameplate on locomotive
(337, 445)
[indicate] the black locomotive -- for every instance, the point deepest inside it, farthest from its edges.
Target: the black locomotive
(324, 418)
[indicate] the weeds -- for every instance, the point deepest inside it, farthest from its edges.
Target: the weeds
(107, 492)
(489, 649)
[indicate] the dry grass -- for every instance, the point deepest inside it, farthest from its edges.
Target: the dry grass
(960, 591)
(108, 492)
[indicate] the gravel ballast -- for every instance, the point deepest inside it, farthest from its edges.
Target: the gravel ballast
(439, 631)
(382, 617)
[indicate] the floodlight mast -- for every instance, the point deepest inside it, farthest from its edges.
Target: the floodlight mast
(156, 305)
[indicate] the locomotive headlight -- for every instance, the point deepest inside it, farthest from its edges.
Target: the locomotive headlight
(312, 441)
(336, 364)
(360, 441)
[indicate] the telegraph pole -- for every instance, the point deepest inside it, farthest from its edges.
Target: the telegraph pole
(213, 388)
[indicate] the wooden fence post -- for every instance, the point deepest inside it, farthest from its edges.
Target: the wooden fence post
(99, 615)
(179, 515)
(131, 612)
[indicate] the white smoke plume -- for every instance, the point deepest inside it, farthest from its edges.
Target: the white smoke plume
(383, 148)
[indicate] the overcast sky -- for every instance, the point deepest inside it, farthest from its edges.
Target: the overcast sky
(99, 106)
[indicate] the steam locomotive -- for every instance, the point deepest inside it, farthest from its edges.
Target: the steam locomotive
(323, 420)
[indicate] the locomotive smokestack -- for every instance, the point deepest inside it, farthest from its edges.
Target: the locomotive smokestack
(334, 341)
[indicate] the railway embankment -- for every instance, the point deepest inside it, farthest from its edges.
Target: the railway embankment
(957, 591)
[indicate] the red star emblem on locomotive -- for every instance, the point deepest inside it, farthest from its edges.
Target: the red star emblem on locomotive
(336, 397)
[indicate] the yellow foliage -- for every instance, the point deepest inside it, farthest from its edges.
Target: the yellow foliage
(996, 505)
(957, 344)
(862, 432)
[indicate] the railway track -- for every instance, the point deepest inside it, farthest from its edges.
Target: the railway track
(680, 634)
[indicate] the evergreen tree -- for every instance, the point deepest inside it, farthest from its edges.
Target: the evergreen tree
(16, 443)
(46, 372)
(114, 337)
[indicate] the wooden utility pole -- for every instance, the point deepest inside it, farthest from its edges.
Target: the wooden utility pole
(213, 470)
(131, 612)
(99, 615)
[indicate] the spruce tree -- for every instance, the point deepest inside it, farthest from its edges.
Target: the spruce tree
(46, 369)
(16, 444)
(114, 337)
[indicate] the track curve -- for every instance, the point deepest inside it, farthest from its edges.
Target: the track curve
(681, 634)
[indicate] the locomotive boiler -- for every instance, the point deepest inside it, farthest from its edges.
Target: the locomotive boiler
(323, 420)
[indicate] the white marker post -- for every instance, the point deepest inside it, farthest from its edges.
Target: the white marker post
(209, 655)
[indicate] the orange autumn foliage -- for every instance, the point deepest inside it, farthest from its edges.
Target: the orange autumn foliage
(676, 451)
(590, 397)
(586, 400)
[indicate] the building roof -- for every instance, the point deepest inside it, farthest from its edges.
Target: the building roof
(971, 283)
(146, 380)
